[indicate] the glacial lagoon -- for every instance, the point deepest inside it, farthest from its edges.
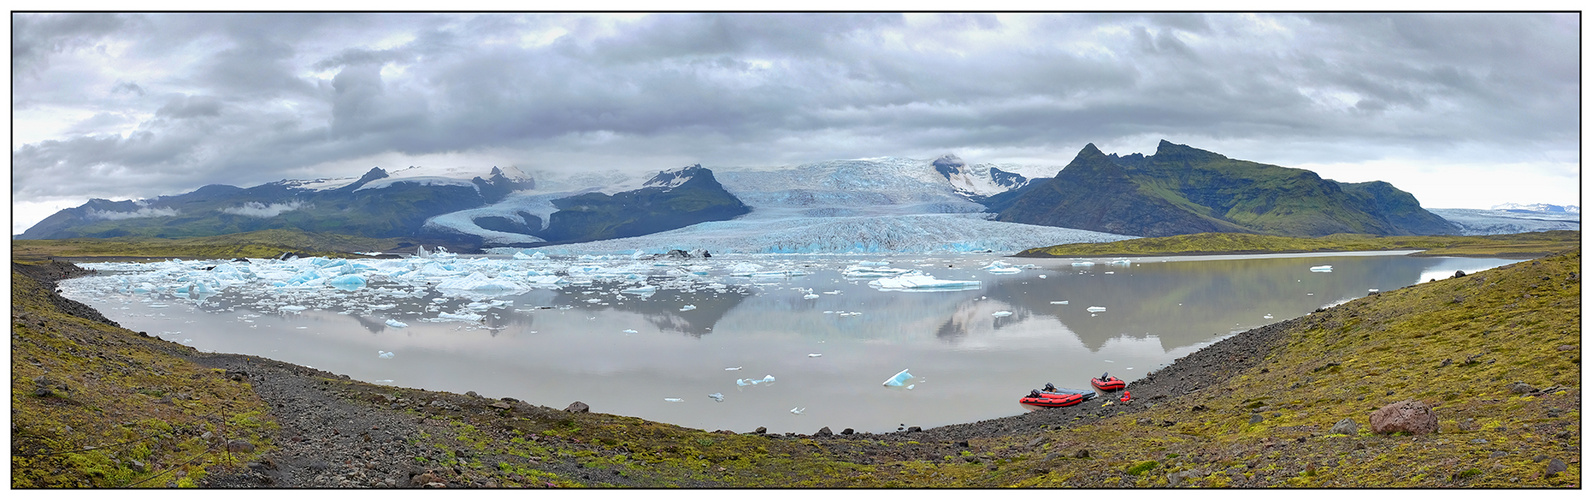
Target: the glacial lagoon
(791, 343)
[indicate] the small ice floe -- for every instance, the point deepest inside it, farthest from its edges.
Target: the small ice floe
(1096, 309)
(1041, 276)
(630, 330)
(687, 307)
(384, 354)
(291, 308)
(641, 290)
(673, 400)
(1268, 316)
(836, 292)
(733, 368)
(1082, 264)
(1001, 314)
(1058, 302)
(814, 355)
(1111, 272)
(1321, 269)
(301, 327)
(798, 410)
(717, 397)
(397, 324)
(898, 379)
(1121, 262)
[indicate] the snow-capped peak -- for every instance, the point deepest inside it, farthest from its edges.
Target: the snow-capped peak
(670, 179)
(976, 180)
(1539, 207)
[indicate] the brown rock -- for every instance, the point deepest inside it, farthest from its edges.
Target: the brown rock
(240, 446)
(500, 405)
(1409, 416)
(578, 407)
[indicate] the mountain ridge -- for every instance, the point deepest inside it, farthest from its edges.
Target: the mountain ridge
(1184, 190)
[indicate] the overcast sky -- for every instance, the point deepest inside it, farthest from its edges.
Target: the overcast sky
(1463, 110)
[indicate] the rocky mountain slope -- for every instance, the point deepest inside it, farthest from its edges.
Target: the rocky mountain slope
(1183, 190)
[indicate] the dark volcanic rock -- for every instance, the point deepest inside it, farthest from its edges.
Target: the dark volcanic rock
(578, 407)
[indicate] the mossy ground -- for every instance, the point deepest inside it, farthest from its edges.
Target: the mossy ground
(1457, 344)
(93, 405)
(1526, 245)
(257, 244)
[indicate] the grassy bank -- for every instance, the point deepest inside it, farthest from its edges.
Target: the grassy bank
(1523, 245)
(258, 244)
(94, 405)
(1457, 344)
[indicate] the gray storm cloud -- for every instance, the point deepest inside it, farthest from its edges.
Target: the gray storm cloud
(167, 102)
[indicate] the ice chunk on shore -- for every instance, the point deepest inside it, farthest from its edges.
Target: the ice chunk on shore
(898, 379)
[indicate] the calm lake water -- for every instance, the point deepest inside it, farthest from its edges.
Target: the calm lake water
(828, 341)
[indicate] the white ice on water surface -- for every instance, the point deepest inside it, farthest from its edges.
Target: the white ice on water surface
(898, 379)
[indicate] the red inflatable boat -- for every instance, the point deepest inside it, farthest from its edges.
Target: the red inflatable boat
(1107, 383)
(1055, 399)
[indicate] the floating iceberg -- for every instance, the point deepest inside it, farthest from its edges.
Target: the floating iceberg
(1083, 264)
(798, 410)
(732, 368)
(922, 282)
(1096, 309)
(1121, 262)
(814, 355)
(347, 282)
(628, 330)
(687, 307)
(673, 400)
(898, 379)
(860, 271)
(397, 324)
(1058, 302)
(717, 397)
(1001, 314)
(384, 354)
(1321, 269)
(810, 296)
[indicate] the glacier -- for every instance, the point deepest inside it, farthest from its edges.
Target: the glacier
(869, 205)
(1478, 222)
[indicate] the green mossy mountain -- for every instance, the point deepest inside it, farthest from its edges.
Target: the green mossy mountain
(1183, 190)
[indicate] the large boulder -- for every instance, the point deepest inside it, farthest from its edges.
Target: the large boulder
(578, 407)
(1409, 416)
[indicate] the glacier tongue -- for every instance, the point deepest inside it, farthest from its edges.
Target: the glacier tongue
(919, 234)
